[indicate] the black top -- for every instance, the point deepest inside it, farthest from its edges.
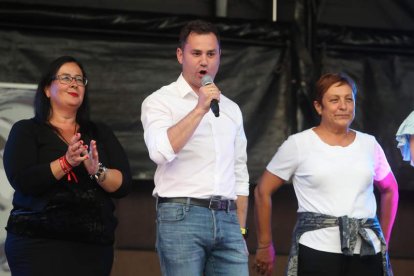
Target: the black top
(44, 207)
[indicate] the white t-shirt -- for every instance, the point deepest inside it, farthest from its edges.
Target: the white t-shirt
(332, 180)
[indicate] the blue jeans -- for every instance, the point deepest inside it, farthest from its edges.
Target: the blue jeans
(193, 240)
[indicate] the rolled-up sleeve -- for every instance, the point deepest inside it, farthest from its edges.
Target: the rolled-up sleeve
(156, 119)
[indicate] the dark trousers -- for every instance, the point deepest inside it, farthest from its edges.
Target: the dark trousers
(319, 263)
(50, 257)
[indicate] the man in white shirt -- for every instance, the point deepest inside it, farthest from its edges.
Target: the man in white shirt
(201, 159)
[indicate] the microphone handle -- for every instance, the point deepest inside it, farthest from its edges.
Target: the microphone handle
(214, 106)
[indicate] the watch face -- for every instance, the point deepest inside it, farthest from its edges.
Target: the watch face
(244, 232)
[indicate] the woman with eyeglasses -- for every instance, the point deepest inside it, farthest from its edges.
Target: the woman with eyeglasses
(65, 170)
(405, 139)
(334, 170)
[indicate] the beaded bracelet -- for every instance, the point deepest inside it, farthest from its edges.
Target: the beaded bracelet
(100, 175)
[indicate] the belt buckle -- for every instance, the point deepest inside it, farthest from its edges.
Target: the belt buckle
(217, 204)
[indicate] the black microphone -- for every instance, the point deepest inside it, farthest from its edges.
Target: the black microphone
(214, 106)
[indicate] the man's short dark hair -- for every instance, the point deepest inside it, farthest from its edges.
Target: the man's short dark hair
(198, 27)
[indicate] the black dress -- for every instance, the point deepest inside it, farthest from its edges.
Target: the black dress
(66, 226)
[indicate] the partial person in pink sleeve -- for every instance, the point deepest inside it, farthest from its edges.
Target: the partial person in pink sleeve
(333, 169)
(405, 139)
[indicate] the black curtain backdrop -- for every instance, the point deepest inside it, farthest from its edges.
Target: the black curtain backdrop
(267, 68)
(129, 55)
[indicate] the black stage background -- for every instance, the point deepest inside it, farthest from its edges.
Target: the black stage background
(267, 68)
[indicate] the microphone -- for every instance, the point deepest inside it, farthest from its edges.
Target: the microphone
(214, 106)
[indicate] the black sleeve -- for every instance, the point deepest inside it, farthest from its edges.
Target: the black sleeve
(24, 172)
(114, 157)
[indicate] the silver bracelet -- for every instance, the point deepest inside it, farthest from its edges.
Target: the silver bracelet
(99, 176)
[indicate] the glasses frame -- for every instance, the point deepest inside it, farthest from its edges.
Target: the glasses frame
(58, 77)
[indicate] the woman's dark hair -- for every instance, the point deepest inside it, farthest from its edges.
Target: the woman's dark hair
(42, 105)
(329, 79)
(198, 27)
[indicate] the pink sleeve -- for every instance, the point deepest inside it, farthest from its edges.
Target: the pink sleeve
(382, 168)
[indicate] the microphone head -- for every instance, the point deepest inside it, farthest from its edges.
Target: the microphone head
(206, 79)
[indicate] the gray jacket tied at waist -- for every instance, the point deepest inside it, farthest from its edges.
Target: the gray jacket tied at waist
(349, 228)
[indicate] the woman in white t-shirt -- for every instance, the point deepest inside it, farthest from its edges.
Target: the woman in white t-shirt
(333, 170)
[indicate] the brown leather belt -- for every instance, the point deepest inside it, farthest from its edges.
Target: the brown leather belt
(213, 203)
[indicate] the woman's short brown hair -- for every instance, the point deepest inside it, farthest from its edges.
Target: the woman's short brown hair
(329, 79)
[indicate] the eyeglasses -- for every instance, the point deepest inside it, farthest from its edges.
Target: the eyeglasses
(67, 79)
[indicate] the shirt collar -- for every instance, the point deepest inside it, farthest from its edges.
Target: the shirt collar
(184, 88)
